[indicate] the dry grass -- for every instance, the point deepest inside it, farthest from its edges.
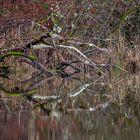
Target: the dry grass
(88, 22)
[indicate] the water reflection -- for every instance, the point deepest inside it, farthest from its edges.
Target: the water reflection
(36, 107)
(71, 125)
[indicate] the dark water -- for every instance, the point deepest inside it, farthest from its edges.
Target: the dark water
(58, 126)
(79, 107)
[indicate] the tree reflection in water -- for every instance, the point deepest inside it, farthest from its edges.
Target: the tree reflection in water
(69, 108)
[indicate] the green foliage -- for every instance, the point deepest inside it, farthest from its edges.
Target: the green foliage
(46, 6)
(118, 68)
(130, 11)
(1, 12)
(125, 15)
(35, 0)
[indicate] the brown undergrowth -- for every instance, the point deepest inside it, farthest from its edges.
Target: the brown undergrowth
(87, 62)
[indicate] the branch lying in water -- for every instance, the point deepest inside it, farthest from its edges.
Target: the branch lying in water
(19, 54)
(70, 95)
(27, 59)
(85, 59)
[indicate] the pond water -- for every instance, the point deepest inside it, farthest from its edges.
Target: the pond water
(78, 107)
(73, 125)
(85, 105)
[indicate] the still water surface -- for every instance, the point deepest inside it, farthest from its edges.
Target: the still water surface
(69, 108)
(76, 126)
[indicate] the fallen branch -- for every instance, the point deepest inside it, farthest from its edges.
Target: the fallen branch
(87, 61)
(38, 66)
(19, 54)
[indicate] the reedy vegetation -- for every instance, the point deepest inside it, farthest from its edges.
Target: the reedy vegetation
(85, 36)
